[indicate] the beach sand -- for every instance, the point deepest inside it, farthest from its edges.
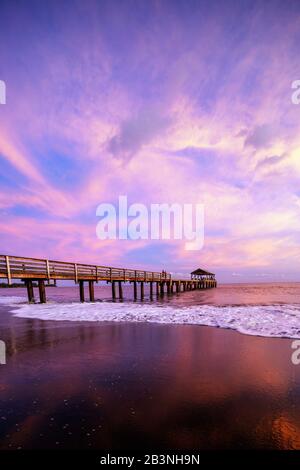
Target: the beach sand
(143, 386)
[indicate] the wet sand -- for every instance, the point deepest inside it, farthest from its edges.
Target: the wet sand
(145, 386)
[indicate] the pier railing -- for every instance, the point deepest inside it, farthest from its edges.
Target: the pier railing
(13, 267)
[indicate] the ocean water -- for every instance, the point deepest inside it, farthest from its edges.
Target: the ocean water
(271, 310)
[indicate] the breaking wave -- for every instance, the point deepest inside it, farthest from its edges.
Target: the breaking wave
(259, 320)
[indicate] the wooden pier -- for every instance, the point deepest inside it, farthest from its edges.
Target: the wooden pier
(37, 270)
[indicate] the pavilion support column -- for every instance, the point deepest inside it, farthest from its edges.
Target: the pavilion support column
(30, 292)
(135, 290)
(142, 290)
(92, 291)
(42, 291)
(81, 290)
(113, 289)
(120, 290)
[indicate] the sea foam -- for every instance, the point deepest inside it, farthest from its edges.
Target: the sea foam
(259, 320)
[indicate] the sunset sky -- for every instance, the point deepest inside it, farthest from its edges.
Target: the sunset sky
(162, 101)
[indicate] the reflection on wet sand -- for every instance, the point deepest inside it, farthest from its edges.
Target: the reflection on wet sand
(70, 385)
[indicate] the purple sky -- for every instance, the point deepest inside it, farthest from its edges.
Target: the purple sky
(162, 101)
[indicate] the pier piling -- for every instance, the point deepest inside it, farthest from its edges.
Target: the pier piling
(135, 290)
(113, 290)
(151, 289)
(81, 290)
(42, 291)
(120, 290)
(30, 292)
(92, 291)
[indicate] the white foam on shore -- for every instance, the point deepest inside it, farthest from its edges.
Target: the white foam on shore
(258, 320)
(12, 300)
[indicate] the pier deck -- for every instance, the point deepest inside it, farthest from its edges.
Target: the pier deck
(41, 270)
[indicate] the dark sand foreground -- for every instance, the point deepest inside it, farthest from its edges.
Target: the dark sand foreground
(142, 386)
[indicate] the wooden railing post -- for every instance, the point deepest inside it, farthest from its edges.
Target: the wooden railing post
(48, 270)
(8, 270)
(76, 272)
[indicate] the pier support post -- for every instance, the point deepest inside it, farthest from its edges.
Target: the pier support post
(92, 291)
(120, 290)
(168, 288)
(42, 291)
(151, 290)
(157, 289)
(113, 290)
(135, 290)
(162, 290)
(142, 290)
(81, 290)
(178, 286)
(30, 292)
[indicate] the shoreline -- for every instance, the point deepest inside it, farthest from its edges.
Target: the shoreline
(276, 320)
(157, 385)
